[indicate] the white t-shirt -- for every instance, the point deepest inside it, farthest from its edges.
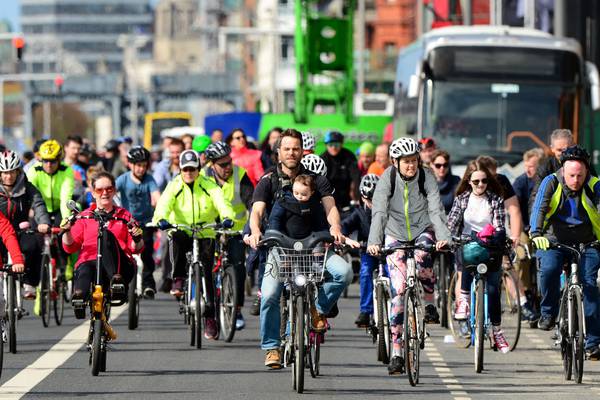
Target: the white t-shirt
(477, 215)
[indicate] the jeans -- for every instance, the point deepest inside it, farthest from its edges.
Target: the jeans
(338, 278)
(551, 263)
(367, 266)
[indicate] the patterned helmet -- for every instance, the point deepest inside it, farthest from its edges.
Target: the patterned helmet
(314, 164)
(308, 141)
(9, 161)
(51, 150)
(138, 154)
(217, 150)
(367, 185)
(403, 147)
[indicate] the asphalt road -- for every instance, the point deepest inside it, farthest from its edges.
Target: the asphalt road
(156, 362)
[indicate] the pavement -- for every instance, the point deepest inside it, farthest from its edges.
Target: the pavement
(156, 362)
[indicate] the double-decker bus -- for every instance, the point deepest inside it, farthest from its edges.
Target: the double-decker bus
(493, 90)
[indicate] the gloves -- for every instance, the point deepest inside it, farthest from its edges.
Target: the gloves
(163, 224)
(541, 242)
(227, 223)
(65, 224)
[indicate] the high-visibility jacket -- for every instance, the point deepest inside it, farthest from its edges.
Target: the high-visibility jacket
(56, 189)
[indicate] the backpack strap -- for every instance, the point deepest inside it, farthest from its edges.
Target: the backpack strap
(392, 182)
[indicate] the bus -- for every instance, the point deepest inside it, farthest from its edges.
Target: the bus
(155, 123)
(493, 90)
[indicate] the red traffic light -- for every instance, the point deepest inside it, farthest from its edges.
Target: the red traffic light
(18, 42)
(58, 81)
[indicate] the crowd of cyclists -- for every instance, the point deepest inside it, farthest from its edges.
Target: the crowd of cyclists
(383, 194)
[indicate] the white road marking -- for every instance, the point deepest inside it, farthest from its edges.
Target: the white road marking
(441, 368)
(29, 377)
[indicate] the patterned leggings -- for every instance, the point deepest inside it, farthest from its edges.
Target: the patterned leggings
(397, 266)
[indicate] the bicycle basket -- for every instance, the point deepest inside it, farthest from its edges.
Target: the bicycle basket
(291, 263)
(474, 254)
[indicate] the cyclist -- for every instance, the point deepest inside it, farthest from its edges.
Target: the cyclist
(479, 206)
(566, 211)
(366, 157)
(428, 146)
(360, 220)
(191, 199)
(139, 194)
(308, 143)
(119, 244)
(382, 160)
(237, 188)
(168, 168)
(407, 208)
(271, 187)
(10, 242)
(18, 198)
(244, 156)
(268, 147)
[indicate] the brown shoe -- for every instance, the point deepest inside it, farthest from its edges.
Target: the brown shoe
(319, 322)
(273, 359)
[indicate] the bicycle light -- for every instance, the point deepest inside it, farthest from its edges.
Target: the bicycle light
(482, 269)
(300, 280)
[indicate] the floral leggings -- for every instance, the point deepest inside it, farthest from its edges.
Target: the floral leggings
(397, 267)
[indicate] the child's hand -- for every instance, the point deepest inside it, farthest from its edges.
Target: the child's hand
(352, 243)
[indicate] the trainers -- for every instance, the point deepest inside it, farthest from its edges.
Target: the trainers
(528, 313)
(240, 323)
(319, 323)
(363, 320)
(255, 309)
(462, 309)
(273, 359)
(177, 289)
(28, 292)
(149, 293)
(593, 353)
(431, 314)
(396, 366)
(334, 311)
(500, 340)
(546, 323)
(210, 328)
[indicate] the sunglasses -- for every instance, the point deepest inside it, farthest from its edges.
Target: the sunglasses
(438, 166)
(50, 161)
(237, 137)
(334, 144)
(224, 164)
(476, 182)
(107, 190)
(189, 169)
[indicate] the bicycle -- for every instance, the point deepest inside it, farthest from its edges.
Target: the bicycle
(571, 330)
(301, 268)
(226, 286)
(53, 286)
(382, 304)
(13, 306)
(443, 274)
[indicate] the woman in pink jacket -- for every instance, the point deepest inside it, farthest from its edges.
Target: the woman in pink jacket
(245, 157)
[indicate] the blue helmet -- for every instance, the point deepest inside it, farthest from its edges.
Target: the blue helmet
(333, 137)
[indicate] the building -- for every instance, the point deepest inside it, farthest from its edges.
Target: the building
(81, 36)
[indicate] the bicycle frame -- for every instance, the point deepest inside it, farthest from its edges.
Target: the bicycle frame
(472, 317)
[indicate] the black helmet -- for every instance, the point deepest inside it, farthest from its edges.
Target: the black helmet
(333, 137)
(217, 150)
(575, 153)
(138, 154)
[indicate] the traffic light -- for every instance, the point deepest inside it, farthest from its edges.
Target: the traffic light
(19, 44)
(58, 83)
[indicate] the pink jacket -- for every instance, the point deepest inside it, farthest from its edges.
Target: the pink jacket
(85, 235)
(249, 160)
(9, 238)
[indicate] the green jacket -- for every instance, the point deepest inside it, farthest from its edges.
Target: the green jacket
(56, 189)
(231, 191)
(179, 205)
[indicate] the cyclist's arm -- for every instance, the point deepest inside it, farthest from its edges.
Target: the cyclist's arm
(455, 217)
(40, 212)
(221, 204)
(246, 191)
(379, 212)
(66, 191)
(541, 205)
(332, 213)
(256, 216)
(9, 238)
(515, 217)
(435, 209)
(154, 192)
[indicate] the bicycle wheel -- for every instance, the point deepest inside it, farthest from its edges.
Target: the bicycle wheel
(59, 300)
(383, 326)
(460, 339)
(2, 333)
(12, 314)
(479, 324)
(412, 346)
(45, 288)
(197, 312)
(510, 307)
(441, 287)
(565, 341)
(133, 306)
(578, 339)
(96, 346)
(315, 353)
(299, 349)
(228, 303)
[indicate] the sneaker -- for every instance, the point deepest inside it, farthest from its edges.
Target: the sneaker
(240, 323)
(593, 353)
(78, 304)
(166, 285)
(177, 289)
(210, 328)
(528, 313)
(319, 323)
(363, 320)
(431, 314)
(464, 330)
(462, 309)
(28, 292)
(396, 366)
(500, 341)
(334, 311)
(255, 309)
(273, 359)
(149, 293)
(546, 323)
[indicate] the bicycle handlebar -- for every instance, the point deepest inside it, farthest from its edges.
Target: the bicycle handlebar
(276, 238)
(575, 250)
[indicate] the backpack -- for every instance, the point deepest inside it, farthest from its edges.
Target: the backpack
(421, 181)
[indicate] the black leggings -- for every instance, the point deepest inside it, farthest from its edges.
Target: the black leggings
(31, 247)
(114, 260)
(148, 259)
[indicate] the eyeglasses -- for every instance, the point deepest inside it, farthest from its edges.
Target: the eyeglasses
(107, 190)
(189, 169)
(438, 166)
(334, 144)
(224, 164)
(50, 161)
(476, 182)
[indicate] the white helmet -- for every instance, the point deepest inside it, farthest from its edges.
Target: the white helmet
(403, 147)
(314, 164)
(9, 160)
(367, 185)
(308, 141)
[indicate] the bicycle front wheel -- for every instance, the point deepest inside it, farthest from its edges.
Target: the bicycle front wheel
(383, 326)
(565, 341)
(197, 312)
(45, 300)
(133, 306)
(412, 345)
(12, 314)
(59, 299)
(510, 307)
(442, 289)
(479, 326)
(228, 303)
(96, 346)
(578, 339)
(299, 349)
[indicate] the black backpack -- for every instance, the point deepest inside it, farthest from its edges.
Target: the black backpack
(421, 181)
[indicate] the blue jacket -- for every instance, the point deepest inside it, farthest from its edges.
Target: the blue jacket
(295, 219)
(359, 220)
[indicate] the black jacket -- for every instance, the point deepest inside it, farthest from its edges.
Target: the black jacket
(343, 174)
(23, 198)
(359, 220)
